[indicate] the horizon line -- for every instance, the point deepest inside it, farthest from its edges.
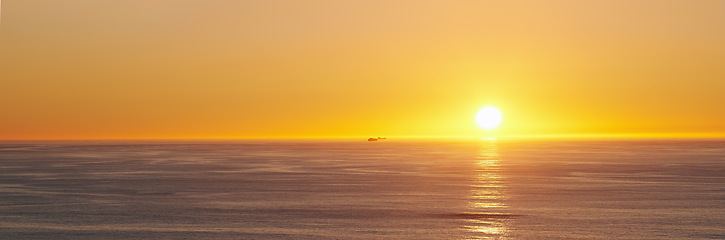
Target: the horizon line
(408, 137)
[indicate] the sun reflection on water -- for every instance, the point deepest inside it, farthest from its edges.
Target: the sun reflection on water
(486, 219)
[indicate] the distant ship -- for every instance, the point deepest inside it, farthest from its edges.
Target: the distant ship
(376, 139)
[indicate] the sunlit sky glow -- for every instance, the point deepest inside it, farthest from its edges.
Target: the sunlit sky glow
(78, 69)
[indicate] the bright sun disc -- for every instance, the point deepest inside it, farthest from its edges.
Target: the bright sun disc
(488, 117)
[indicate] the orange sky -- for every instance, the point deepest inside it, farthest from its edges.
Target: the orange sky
(77, 69)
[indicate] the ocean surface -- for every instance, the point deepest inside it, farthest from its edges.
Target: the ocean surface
(305, 189)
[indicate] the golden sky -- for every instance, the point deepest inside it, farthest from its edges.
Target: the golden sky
(78, 69)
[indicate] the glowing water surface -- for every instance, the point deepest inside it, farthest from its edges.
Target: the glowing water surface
(478, 189)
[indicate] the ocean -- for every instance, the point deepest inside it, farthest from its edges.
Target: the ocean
(345, 189)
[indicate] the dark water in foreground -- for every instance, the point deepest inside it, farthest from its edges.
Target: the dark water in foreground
(664, 189)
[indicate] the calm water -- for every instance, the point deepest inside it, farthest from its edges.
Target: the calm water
(664, 189)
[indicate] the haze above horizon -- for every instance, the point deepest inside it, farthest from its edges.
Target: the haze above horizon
(191, 69)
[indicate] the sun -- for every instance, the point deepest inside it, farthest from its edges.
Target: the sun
(488, 117)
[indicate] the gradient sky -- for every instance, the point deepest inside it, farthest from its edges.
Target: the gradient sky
(78, 69)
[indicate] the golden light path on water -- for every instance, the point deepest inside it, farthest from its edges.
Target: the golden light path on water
(486, 219)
